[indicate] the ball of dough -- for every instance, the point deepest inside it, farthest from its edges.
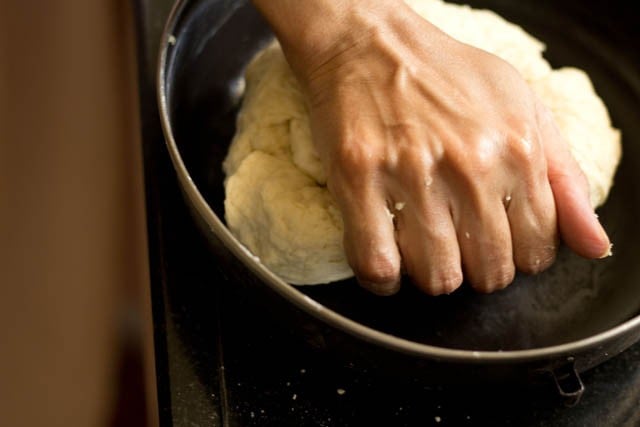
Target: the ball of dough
(277, 203)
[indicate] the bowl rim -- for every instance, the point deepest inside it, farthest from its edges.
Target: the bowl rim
(314, 308)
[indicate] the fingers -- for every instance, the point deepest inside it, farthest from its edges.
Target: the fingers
(579, 227)
(429, 248)
(485, 244)
(476, 227)
(577, 223)
(532, 222)
(532, 219)
(369, 238)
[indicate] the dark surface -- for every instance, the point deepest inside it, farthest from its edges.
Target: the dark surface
(218, 366)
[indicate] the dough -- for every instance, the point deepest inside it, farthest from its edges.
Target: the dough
(276, 202)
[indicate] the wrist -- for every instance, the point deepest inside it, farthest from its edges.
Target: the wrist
(312, 32)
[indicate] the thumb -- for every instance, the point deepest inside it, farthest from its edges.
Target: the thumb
(578, 225)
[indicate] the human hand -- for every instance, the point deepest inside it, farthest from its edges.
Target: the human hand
(439, 156)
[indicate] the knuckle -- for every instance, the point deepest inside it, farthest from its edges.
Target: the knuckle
(377, 271)
(481, 165)
(523, 150)
(525, 158)
(411, 161)
(449, 281)
(441, 282)
(353, 158)
(498, 279)
(527, 164)
(474, 162)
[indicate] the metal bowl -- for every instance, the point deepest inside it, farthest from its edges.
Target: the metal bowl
(562, 322)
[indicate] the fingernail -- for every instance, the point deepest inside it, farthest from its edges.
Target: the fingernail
(608, 252)
(605, 237)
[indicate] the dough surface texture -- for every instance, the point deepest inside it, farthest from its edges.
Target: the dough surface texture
(277, 203)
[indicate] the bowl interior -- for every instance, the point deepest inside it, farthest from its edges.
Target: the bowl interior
(574, 299)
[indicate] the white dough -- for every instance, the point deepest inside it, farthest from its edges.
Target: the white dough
(277, 204)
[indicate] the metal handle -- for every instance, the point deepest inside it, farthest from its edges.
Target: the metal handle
(568, 382)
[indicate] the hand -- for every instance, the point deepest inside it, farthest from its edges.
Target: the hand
(439, 156)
